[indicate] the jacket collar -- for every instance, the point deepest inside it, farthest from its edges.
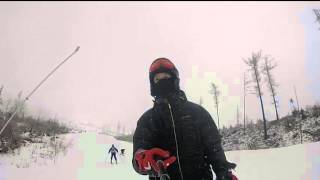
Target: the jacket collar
(175, 99)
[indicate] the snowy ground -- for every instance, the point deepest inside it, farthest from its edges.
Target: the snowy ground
(86, 160)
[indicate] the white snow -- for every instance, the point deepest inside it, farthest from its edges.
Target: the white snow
(298, 162)
(87, 159)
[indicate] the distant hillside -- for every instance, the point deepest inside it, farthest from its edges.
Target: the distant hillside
(127, 138)
(282, 133)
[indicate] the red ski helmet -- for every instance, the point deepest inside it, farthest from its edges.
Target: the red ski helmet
(161, 65)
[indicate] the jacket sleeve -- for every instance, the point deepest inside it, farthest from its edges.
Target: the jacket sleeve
(212, 143)
(142, 138)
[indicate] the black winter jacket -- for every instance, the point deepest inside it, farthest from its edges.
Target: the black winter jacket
(198, 139)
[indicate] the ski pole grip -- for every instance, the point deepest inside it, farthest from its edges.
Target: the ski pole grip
(163, 174)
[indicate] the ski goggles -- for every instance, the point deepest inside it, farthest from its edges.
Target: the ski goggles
(161, 63)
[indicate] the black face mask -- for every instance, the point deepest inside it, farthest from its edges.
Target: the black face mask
(164, 87)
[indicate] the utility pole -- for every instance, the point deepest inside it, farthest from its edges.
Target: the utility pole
(35, 89)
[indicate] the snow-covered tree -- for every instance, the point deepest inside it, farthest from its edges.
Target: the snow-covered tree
(216, 93)
(267, 67)
(253, 63)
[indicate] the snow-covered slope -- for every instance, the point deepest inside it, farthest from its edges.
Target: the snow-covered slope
(298, 162)
(86, 160)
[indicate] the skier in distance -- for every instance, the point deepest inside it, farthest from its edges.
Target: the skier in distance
(113, 150)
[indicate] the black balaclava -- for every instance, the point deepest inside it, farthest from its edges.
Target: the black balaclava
(164, 86)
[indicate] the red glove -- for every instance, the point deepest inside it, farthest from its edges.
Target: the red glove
(227, 176)
(234, 177)
(147, 162)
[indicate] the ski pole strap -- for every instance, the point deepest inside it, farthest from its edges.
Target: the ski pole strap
(163, 174)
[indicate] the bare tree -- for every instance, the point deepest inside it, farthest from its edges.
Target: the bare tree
(124, 129)
(1, 100)
(1, 104)
(267, 67)
(20, 105)
(245, 93)
(293, 107)
(297, 115)
(297, 101)
(216, 93)
(317, 13)
(7, 108)
(8, 105)
(118, 127)
(54, 139)
(253, 63)
(238, 123)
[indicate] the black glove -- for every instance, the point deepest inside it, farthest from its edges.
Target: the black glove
(226, 174)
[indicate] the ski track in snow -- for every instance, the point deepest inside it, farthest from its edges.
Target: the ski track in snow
(88, 159)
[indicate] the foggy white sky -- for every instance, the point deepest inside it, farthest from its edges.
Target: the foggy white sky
(107, 81)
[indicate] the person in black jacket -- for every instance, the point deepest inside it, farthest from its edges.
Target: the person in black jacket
(178, 132)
